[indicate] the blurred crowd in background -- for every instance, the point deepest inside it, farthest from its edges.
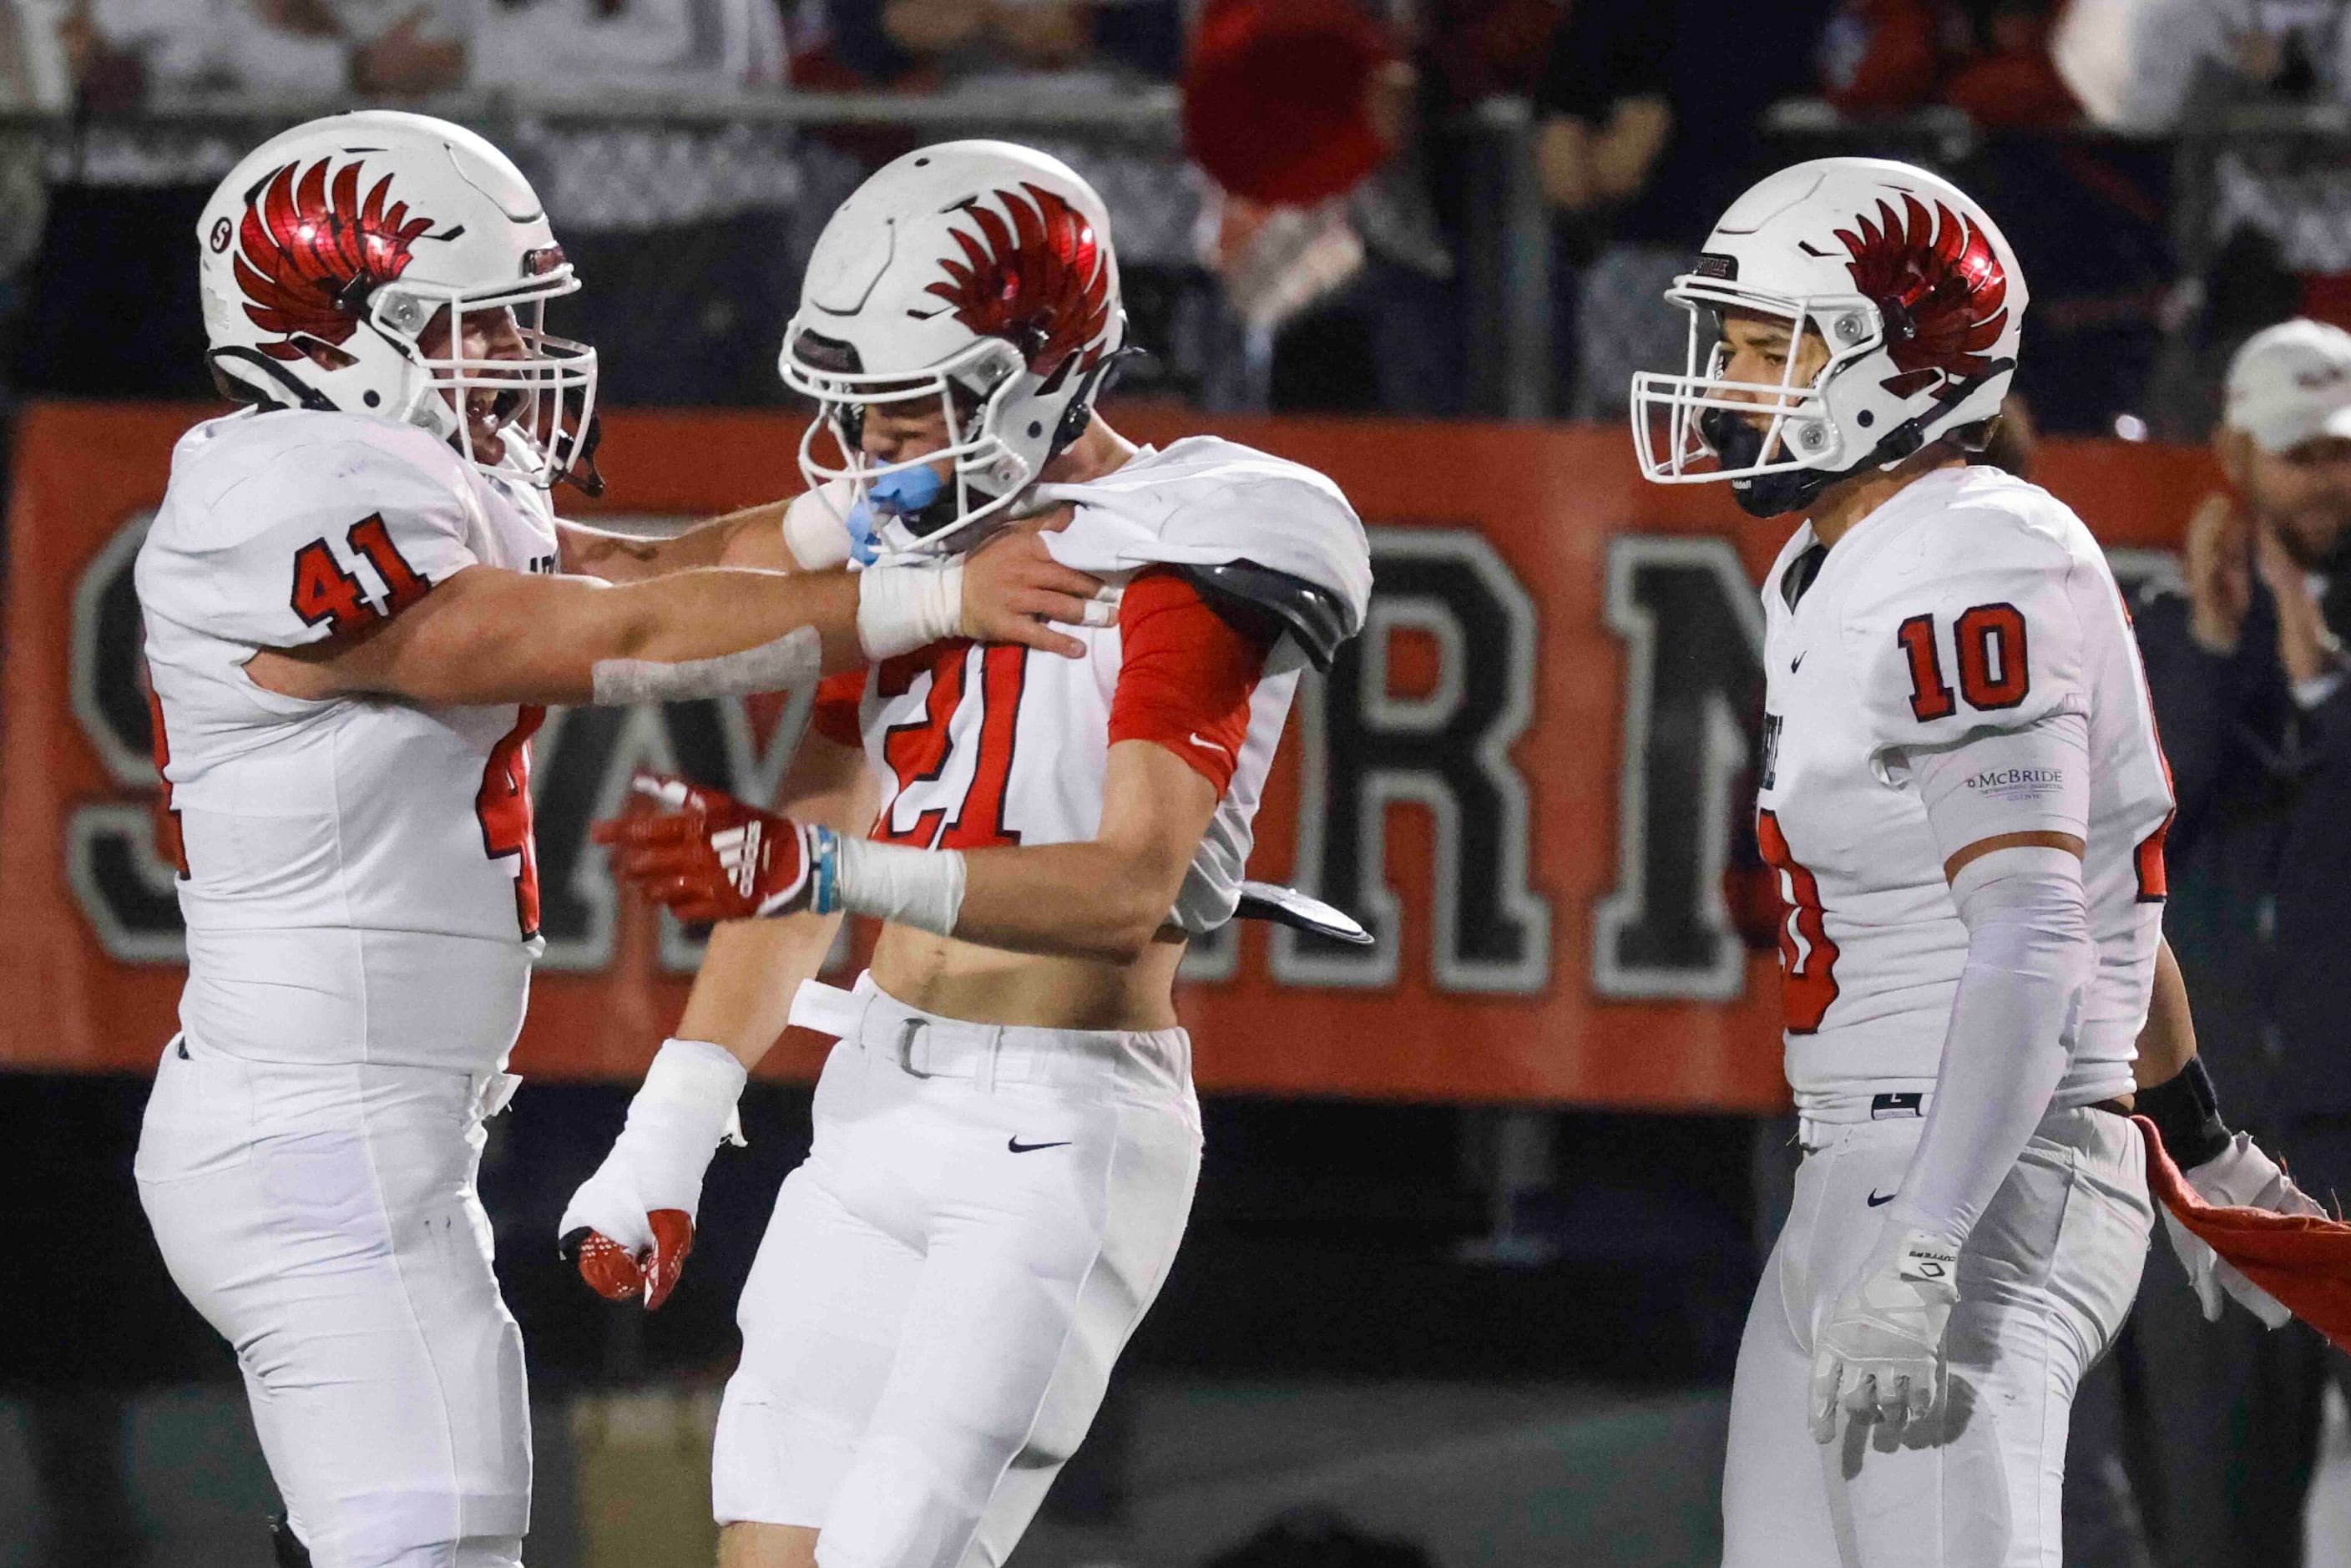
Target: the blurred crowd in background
(1373, 216)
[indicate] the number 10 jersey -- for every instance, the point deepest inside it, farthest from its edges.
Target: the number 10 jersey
(357, 875)
(1971, 603)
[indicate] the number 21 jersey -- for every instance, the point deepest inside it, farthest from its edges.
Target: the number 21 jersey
(358, 875)
(1971, 603)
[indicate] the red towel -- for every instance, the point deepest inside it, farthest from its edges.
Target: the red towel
(2302, 1259)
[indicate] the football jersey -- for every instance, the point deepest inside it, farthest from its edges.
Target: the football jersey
(358, 875)
(1972, 602)
(977, 745)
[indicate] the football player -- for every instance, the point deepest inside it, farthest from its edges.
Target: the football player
(356, 594)
(1005, 1137)
(1964, 800)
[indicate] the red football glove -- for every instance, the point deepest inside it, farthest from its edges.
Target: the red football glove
(617, 1274)
(711, 857)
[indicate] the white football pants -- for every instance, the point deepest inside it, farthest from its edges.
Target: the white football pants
(985, 1216)
(2046, 1282)
(323, 1220)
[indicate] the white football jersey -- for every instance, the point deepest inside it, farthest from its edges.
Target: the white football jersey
(359, 877)
(979, 746)
(1972, 602)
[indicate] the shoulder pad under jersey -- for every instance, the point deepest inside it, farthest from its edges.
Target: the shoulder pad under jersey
(1313, 616)
(1243, 525)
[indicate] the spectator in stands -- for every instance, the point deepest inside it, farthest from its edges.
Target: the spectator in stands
(1987, 58)
(1652, 114)
(2248, 674)
(920, 46)
(2139, 65)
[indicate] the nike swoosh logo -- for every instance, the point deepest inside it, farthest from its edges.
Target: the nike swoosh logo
(1017, 1147)
(1877, 1202)
(1797, 662)
(1196, 738)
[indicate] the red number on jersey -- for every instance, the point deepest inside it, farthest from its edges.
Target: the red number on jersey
(324, 591)
(503, 805)
(1930, 699)
(918, 751)
(1993, 634)
(400, 580)
(1807, 974)
(169, 843)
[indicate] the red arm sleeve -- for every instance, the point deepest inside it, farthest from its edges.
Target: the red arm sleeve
(835, 714)
(1185, 675)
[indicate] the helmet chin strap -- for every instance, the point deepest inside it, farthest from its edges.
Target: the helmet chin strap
(1739, 444)
(300, 393)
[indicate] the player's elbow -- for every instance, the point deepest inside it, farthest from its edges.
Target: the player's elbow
(1142, 893)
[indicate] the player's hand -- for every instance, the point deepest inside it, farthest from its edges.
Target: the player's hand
(2241, 1177)
(2217, 564)
(1881, 1352)
(2307, 646)
(629, 1227)
(709, 856)
(1012, 587)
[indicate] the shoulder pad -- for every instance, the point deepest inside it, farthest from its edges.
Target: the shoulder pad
(1315, 617)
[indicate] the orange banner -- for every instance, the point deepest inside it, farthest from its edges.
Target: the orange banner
(1528, 776)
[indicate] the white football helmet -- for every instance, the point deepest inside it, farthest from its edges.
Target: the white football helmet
(1906, 282)
(977, 273)
(341, 239)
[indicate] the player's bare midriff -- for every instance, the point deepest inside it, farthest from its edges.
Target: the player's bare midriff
(986, 985)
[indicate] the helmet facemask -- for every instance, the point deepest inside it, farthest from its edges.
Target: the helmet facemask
(1770, 440)
(980, 392)
(544, 404)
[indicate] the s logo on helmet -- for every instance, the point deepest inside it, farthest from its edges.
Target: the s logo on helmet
(220, 236)
(1042, 284)
(1937, 283)
(310, 257)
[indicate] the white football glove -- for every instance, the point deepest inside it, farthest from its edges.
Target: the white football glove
(631, 1225)
(1881, 1351)
(2240, 1176)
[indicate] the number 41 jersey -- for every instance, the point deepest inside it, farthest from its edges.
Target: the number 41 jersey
(1971, 603)
(357, 875)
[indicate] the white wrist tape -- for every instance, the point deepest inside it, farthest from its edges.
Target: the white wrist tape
(902, 608)
(2029, 962)
(897, 883)
(684, 1109)
(794, 659)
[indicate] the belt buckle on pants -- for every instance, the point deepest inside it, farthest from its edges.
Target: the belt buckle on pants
(906, 1033)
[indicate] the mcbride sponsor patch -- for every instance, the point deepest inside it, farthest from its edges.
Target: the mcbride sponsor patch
(2015, 783)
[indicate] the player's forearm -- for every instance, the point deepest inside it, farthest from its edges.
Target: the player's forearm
(2004, 1051)
(742, 997)
(750, 538)
(575, 640)
(1094, 901)
(2167, 1042)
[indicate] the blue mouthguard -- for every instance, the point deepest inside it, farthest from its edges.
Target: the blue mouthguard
(897, 495)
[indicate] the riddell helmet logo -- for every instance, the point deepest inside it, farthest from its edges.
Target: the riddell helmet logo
(1041, 282)
(1939, 284)
(309, 255)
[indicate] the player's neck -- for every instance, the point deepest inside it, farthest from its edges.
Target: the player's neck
(1097, 451)
(1845, 503)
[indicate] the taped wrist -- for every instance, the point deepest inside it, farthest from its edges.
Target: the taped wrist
(2187, 1113)
(794, 659)
(902, 608)
(895, 883)
(685, 1107)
